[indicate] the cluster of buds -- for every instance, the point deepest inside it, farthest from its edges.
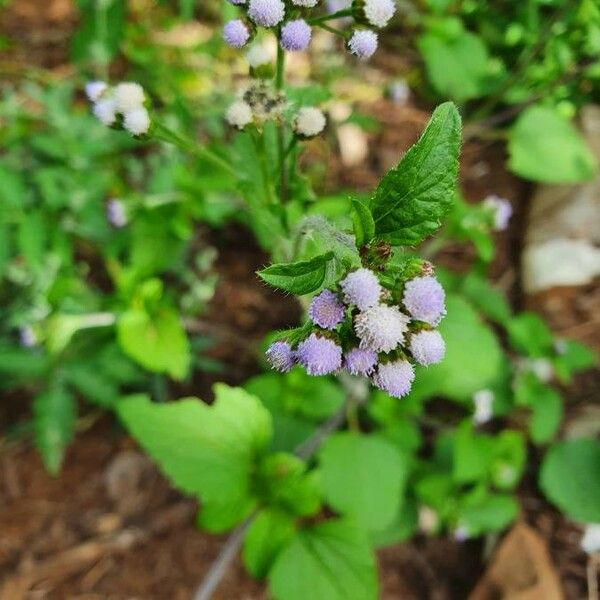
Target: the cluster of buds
(292, 21)
(360, 328)
(122, 105)
(260, 103)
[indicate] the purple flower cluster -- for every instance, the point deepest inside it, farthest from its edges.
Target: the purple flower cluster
(358, 327)
(295, 33)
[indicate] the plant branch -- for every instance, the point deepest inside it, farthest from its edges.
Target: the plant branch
(163, 133)
(346, 12)
(356, 394)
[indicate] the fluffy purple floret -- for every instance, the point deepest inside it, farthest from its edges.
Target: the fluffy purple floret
(427, 347)
(319, 355)
(361, 288)
(360, 361)
(395, 378)
(424, 299)
(236, 33)
(363, 43)
(281, 356)
(326, 310)
(295, 35)
(502, 211)
(115, 213)
(266, 13)
(381, 328)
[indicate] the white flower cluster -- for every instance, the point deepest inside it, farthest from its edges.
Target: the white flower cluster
(125, 99)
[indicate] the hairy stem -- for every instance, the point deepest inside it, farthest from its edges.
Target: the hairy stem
(346, 12)
(162, 132)
(356, 393)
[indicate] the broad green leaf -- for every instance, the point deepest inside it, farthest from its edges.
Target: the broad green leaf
(298, 278)
(284, 482)
(488, 513)
(363, 477)
(156, 342)
(330, 561)
(402, 527)
(268, 534)
(209, 451)
(472, 454)
(474, 360)
(412, 198)
(509, 459)
(572, 358)
(529, 334)
(54, 424)
(362, 223)
(547, 415)
(570, 478)
(458, 67)
(543, 146)
(94, 385)
(490, 301)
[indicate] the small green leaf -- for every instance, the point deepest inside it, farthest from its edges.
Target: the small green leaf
(472, 454)
(573, 358)
(364, 477)
(547, 415)
(529, 334)
(298, 278)
(543, 146)
(487, 513)
(156, 342)
(570, 478)
(362, 223)
(209, 451)
(268, 534)
(411, 199)
(330, 561)
(54, 424)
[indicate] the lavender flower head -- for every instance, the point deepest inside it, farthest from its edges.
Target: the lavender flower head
(136, 121)
(319, 355)
(95, 89)
(128, 96)
(27, 337)
(280, 356)
(295, 35)
(305, 3)
(361, 288)
(105, 111)
(326, 310)
(427, 347)
(379, 12)
(484, 406)
(266, 13)
(309, 122)
(381, 328)
(236, 33)
(115, 213)
(395, 378)
(363, 43)
(424, 299)
(360, 361)
(501, 209)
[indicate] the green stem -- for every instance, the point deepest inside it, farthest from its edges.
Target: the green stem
(332, 30)
(346, 12)
(279, 79)
(165, 134)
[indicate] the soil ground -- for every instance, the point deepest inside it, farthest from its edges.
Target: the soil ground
(111, 528)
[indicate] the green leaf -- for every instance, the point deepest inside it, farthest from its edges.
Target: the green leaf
(490, 301)
(330, 561)
(543, 146)
(54, 424)
(268, 534)
(472, 454)
(572, 358)
(298, 278)
(209, 451)
(474, 359)
(283, 482)
(411, 199)
(570, 478)
(458, 67)
(363, 477)
(509, 459)
(156, 342)
(529, 334)
(547, 415)
(362, 223)
(487, 513)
